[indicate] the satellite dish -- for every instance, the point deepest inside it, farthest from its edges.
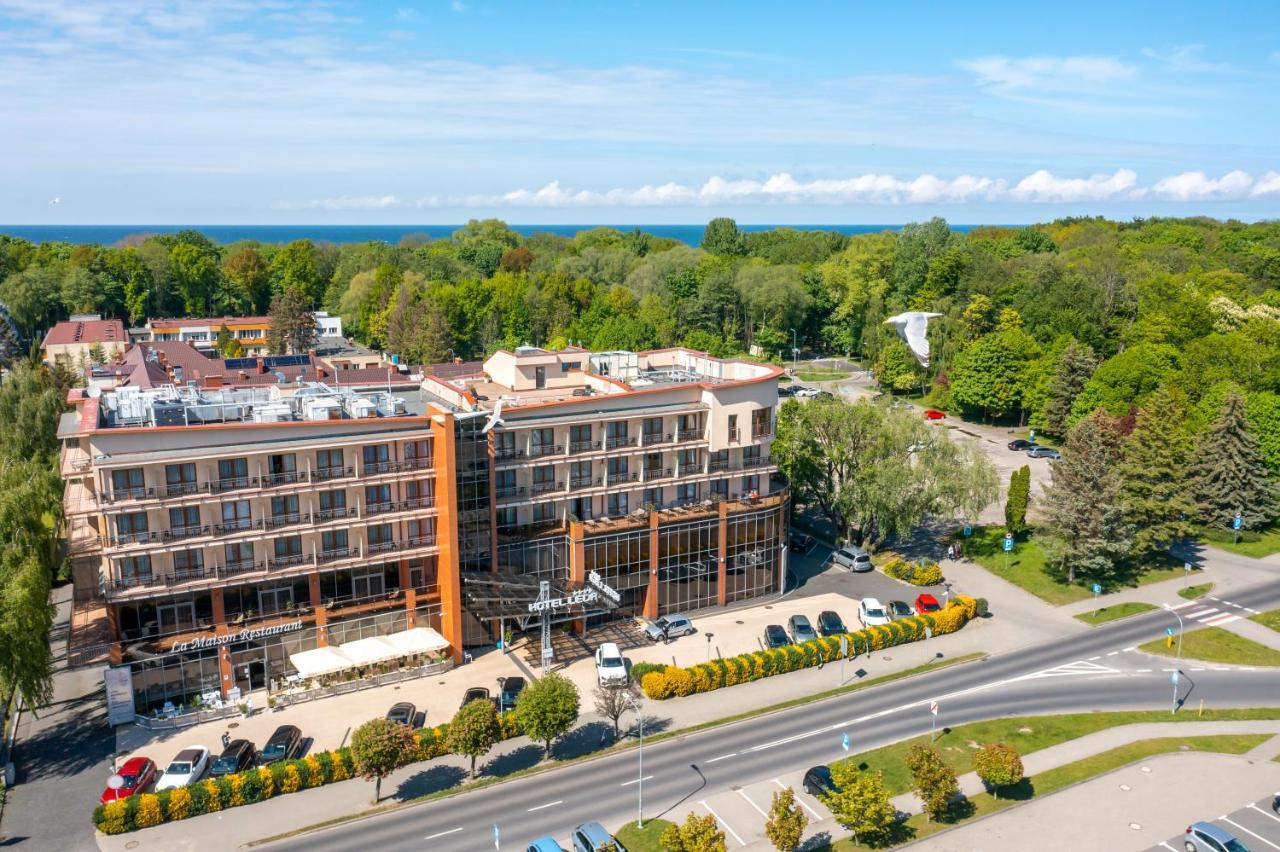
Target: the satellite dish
(115, 782)
(93, 392)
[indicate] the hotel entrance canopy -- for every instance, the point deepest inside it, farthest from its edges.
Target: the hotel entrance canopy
(504, 594)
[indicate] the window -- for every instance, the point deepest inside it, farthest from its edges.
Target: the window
(329, 463)
(284, 509)
(617, 503)
(277, 599)
(333, 543)
(127, 483)
(652, 465)
(544, 479)
(616, 434)
(544, 512)
(719, 460)
(419, 491)
(618, 469)
(733, 428)
(507, 518)
(505, 482)
(580, 474)
(380, 537)
(751, 455)
(367, 585)
(539, 377)
(288, 549)
(282, 467)
(377, 498)
(180, 478)
(580, 439)
(188, 563)
(689, 425)
(652, 430)
(542, 441)
(422, 531)
(720, 488)
(376, 457)
(761, 422)
(238, 555)
(581, 508)
(233, 473)
(687, 492)
(504, 445)
(418, 452)
(333, 504)
(653, 497)
(235, 516)
(751, 484)
(184, 520)
(135, 570)
(566, 366)
(131, 525)
(688, 462)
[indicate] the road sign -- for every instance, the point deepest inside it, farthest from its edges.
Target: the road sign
(1237, 522)
(1008, 544)
(497, 837)
(1175, 678)
(548, 653)
(933, 707)
(1033, 435)
(1168, 631)
(844, 645)
(1008, 536)
(1186, 566)
(1097, 589)
(968, 530)
(844, 741)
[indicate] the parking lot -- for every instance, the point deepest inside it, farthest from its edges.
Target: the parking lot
(1255, 825)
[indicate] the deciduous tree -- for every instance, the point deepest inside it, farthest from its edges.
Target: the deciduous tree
(935, 780)
(612, 701)
(474, 730)
(998, 765)
(547, 708)
(862, 804)
(379, 747)
(695, 834)
(787, 821)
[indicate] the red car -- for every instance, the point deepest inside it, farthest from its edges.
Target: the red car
(138, 773)
(926, 604)
(934, 414)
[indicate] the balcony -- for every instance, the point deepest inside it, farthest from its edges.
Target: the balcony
(510, 492)
(192, 531)
(583, 446)
(717, 464)
(144, 537)
(613, 478)
(508, 454)
(652, 473)
(325, 474)
(375, 467)
(333, 514)
(733, 435)
(234, 526)
(275, 522)
(287, 477)
(758, 461)
(400, 505)
(334, 554)
(684, 436)
(648, 439)
(410, 543)
(619, 441)
(540, 450)
(288, 560)
(239, 566)
(232, 483)
(135, 581)
(137, 493)
(545, 487)
(180, 489)
(576, 483)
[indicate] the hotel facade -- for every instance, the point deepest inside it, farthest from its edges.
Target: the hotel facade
(225, 530)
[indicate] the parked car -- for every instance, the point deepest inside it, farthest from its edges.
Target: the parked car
(853, 558)
(786, 390)
(899, 609)
(800, 629)
(1039, 452)
(591, 836)
(926, 604)
(830, 623)
(236, 757)
(775, 636)
(800, 543)
(817, 782)
(187, 767)
(475, 693)
(934, 414)
(404, 713)
(611, 669)
(137, 773)
(668, 627)
(871, 613)
(544, 844)
(285, 743)
(509, 689)
(803, 392)
(1207, 837)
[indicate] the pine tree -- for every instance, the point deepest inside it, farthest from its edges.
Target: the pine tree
(1155, 474)
(1075, 366)
(1092, 539)
(293, 326)
(1230, 474)
(1019, 497)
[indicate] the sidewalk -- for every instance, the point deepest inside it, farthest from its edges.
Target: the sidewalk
(1254, 632)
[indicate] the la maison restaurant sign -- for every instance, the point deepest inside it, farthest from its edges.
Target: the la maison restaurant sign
(245, 635)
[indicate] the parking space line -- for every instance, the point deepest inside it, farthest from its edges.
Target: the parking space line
(1247, 831)
(547, 805)
(802, 802)
(726, 825)
(636, 780)
(759, 810)
(443, 833)
(1264, 813)
(1167, 846)
(723, 757)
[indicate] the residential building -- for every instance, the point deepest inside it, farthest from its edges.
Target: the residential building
(251, 332)
(226, 526)
(72, 343)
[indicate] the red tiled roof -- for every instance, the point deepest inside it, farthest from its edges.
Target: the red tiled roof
(86, 331)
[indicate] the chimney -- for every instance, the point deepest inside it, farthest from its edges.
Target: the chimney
(262, 366)
(213, 381)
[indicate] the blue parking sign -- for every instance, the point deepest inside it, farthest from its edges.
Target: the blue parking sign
(1237, 522)
(1008, 544)
(1097, 589)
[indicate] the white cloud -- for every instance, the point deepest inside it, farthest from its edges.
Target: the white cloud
(1267, 184)
(1185, 57)
(1042, 185)
(1054, 73)
(1197, 186)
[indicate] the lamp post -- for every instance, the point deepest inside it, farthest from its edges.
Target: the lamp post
(795, 352)
(635, 706)
(1173, 708)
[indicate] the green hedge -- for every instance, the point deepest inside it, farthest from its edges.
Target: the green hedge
(909, 572)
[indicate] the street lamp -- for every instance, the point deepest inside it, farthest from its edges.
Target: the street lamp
(1173, 708)
(635, 706)
(795, 352)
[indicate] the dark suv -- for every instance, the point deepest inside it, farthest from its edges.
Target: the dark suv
(237, 756)
(284, 744)
(776, 637)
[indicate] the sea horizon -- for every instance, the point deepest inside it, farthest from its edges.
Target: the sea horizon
(109, 235)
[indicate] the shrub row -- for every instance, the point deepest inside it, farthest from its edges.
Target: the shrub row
(144, 810)
(704, 677)
(909, 572)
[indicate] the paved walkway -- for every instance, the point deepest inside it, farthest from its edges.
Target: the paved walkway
(1254, 632)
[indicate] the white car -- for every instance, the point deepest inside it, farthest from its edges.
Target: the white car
(806, 392)
(872, 613)
(187, 767)
(611, 669)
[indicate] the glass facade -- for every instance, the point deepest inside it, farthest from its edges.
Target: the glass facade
(623, 562)
(688, 576)
(751, 557)
(472, 472)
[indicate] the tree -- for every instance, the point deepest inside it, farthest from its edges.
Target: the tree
(1155, 474)
(1125, 380)
(1230, 474)
(293, 326)
(935, 780)
(991, 373)
(1019, 497)
(897, 368)
(1075, 367)
(248, 283)
(226, 344)
(295, 267)
(547, 708)
(862, 804)
(787, 821)
(998, 765)
(612, 701)
(723, 237)
(695, 834)
(1082, 511)
(379, 747)
(474, 730)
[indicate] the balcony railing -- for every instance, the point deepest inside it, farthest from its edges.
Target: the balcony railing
(232, 483)
(426, 540)
(650, 438)
(583, 446)
(761, 430)
(508, 454)
(188, 575)
(733, 435)
(388, 506)
(333, 554)
(686, 435)
(652, 473)
(144, 537)
(545, 487)
(621, 476)
(758, 461)
(139, 492)
(510, 492)
(717, 464)
(276, 521)
(239, 566)
(617, 441)
(577, 482)
(288, 560)
(287, 477)
(324, 474)
(235, 526)
(539, 450)
(192, 531)
(322, 515)
(180, 489)
(136, 581)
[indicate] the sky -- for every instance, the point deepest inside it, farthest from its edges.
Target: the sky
(230, 111)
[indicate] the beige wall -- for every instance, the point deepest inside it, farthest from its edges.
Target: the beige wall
(71, 354)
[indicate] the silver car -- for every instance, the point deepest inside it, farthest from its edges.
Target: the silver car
(668, 627)
(853, 558)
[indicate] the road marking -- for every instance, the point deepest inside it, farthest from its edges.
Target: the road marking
(1186, 604)
(743, 794)
(1198, 669)
(724, 757)
(1250, 609)
(1132, 648)
(1229, 603)
(1264, 813)
(1142, 671)
(636, 780)
(1167, 846)
(802, 802)
(788, 740)
(726, 825)
(547, 805)
(1099, 657)
(1246, 668)
(1222, 618)
(1201, 613)
(1247, 831)
(1211, 597)
(1113, 653)
(442, 833)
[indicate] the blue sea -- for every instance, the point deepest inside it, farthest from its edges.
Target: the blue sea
(112, 234)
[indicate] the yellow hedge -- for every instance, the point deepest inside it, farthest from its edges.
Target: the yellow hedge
(148, 811)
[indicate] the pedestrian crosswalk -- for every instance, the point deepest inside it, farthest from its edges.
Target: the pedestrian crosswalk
(1212, 611)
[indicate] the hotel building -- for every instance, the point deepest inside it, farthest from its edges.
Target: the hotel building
(202, 333)
(226, 528)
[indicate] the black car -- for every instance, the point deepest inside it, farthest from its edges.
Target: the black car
(403, 712)
(800, 543)
(786, 390)
(284, 744)
(817, 782)
(776, 637)
(1021, 444)
(475, 693)
(238, 755)
(829, 623)
(509, 691)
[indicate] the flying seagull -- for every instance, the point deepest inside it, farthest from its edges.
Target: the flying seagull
(913, 328)
(55, 201)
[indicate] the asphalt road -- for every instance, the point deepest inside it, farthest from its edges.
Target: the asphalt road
(1054, 678)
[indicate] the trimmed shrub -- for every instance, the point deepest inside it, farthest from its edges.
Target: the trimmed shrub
(149, 812)
(179, 804)
(112, 817)
(980, 608)
(909, 572)
(639, 670)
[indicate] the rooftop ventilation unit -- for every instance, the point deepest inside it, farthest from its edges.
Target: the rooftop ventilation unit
(272, 412)
(322, 408)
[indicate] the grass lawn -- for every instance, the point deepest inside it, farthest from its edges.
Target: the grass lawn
(917, 827)
(1268, 619)
(1027, 567)
(1193, 592)
(1253, 544)
(642, 839)
(819, 375)
(1215, 645)
(1111, 613)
